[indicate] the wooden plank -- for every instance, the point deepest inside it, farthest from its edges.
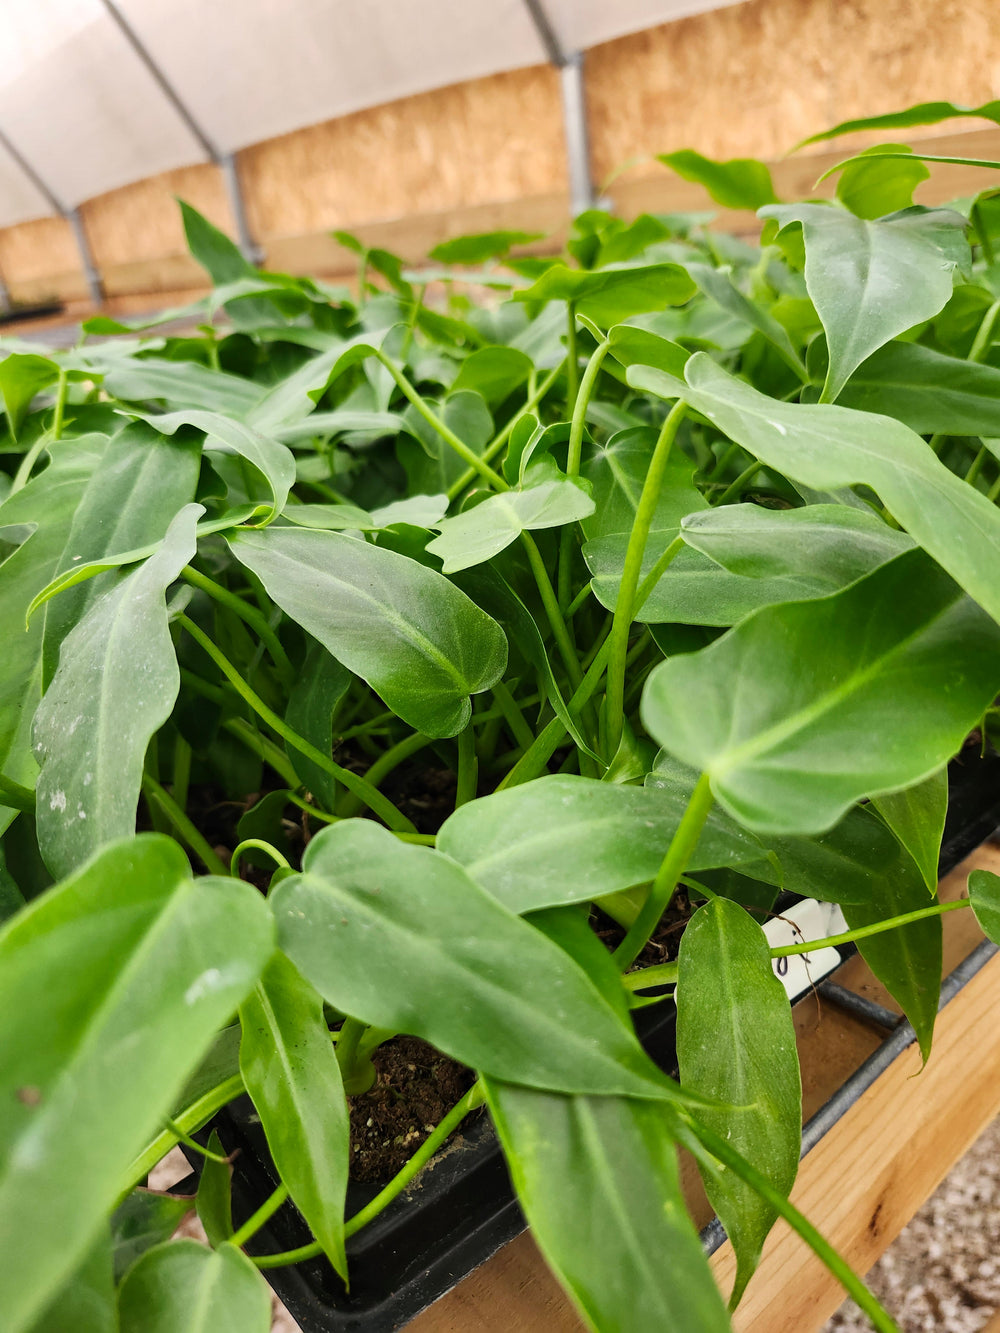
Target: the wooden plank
(861, 1184)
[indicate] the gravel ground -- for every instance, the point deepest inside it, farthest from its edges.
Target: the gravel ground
(942, 1274)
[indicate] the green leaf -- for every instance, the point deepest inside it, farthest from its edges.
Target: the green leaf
(769, 556)
(480, 533)
(829, 447)
(736, 1043)
(340, 421)
(86, 1303)
(785, 711)
(916, 815)
(401, 937)
(871, 189)
(116, 685)
(182, 1287)
(630, 346)
(133, 494)
(22, 376)
(187, 384)
(215, 252)
(412, 635)
(871, 281)
(47, 504)
(598, 1181)
(495, 372)
(114, 983)
(480, 246)
(316, 693)
(927, 391)
(291, 1073)
(907, 960)
(144, 1219)
(214, 1197)
(272, 460)
(295, 397)
(609, 295)
(984, 895)
(742, 182)
(566, 839)
(719, 286)
(924, 113)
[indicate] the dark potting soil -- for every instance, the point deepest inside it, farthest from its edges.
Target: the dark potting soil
(416, 1088)
(664, 943)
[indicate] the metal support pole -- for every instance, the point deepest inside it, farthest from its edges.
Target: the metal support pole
(581, 188)
(574, 103)
(224, 161)
(86, 257)
(231, 175)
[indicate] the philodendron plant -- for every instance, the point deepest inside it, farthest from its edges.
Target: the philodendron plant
(359, 656)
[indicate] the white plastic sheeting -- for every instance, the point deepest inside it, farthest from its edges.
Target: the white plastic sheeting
(86, 113)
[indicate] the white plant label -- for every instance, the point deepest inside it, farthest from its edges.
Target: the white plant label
(807, 920)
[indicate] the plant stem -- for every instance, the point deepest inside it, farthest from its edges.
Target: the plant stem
(841, 1270)
(634, 554)
(513, 716)
(399, 1182)
(14, 796)
(193, 1144)
(977, 465)
(23, 474)
(186, 831)
(447, 434)
(379, 804)
(258, 1219)
(736, 487)
(187, 1120)
(383, 766)
(467, 781)
(262, 846)
(661, 974)
(498, 441)
(572, 357)
(60, 408)
(580, 400)
(679, 853)
(248, 614)
(876, 928)
(553, 610)
(984, 334)
(263, 748)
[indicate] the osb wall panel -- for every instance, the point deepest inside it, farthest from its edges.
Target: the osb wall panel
(753, 79)
(142, 221)
(473, 143)
(39, 260)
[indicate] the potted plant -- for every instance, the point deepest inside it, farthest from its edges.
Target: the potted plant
(422, 636)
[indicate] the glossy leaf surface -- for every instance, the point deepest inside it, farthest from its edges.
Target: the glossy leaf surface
(916, 815)
(871, 280)
(781, 711)
(122, 975)
(828, 447)
(598, 1181)
(115, 686)
(984, 894)
(291, 1073)
(742, 182)
(571, 839)
(478, 534)
(927, 390)
(182, 1287)
(214, 1198)
(22, 376)
(609, 295)
(443, 960)
(417, 640)
(736, 1043)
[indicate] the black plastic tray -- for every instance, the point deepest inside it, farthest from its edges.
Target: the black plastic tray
(461, 1209)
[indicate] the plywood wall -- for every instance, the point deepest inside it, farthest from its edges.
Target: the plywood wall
(748, 80)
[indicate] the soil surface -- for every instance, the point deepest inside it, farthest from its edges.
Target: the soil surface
(665, 942)
(416, 1088)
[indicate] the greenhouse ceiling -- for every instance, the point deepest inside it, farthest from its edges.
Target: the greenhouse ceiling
(95, 94)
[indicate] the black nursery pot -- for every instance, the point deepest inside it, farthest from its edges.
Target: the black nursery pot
(461, 1209)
